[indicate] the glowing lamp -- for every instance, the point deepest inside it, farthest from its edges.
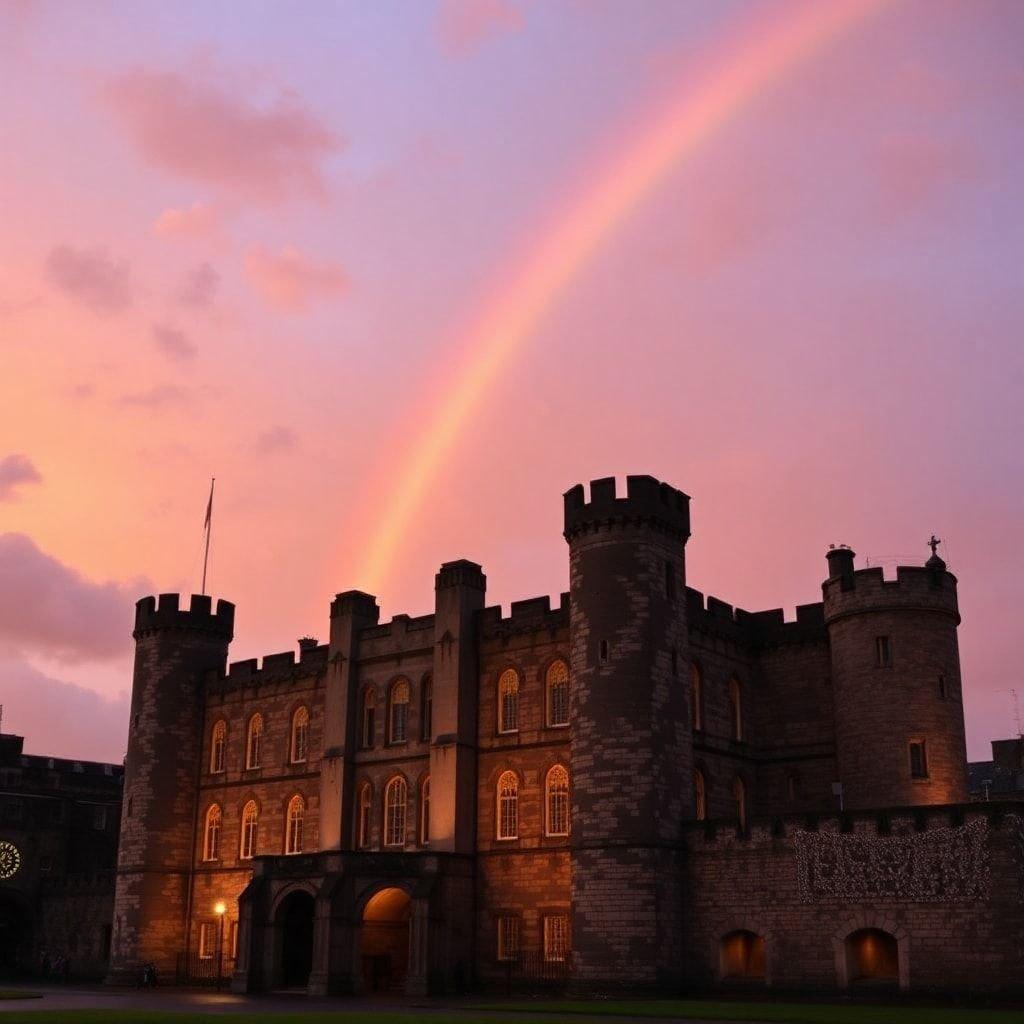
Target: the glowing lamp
(220, 908)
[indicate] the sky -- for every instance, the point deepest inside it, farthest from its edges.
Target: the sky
(325, 253)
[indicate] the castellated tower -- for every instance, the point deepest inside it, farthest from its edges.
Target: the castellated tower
(632, 752)
(896, 683)
(174, 650)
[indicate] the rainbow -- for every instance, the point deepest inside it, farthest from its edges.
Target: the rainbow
(753, 59)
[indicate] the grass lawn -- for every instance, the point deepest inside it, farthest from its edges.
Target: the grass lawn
(18, 994)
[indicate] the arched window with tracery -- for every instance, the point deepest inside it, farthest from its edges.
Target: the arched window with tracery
(399, 713)
(425, 812)
(363, 821)
(254, 742)
(556, 802)
(396, 797)
(295, 820)
(508, 701)
(369, 717)
(250, 823)
(218, 741)
(735, 709)
(696, 697)
(508, 806)
(700, 795)
(427, 710)
(300, 735)
(739, 797)
(557, 680)
(211, 833)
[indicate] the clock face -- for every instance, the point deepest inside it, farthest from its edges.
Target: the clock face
(10, 860)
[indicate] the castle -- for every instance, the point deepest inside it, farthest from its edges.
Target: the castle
(639, 788)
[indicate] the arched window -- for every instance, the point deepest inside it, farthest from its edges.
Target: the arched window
(293, 825)
(300, 735)
(211, 834)
(363, 822)
(558, 693)
(508, 701)
(369, 713)
(556, 799)
(395, 800)
(427, 710)
(696, 697)
(250, 820)
(739, 796)
(254, 742)
(741, 955)
(872, 955)
(700, 795)
(508, 806)
(735, 709)
(399, 712)
(217, 743)
(425, 812)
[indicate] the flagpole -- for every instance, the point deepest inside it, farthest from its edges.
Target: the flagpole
(209, 523)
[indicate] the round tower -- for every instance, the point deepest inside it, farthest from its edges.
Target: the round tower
(632, 749)
(896, 682)
(174, 651)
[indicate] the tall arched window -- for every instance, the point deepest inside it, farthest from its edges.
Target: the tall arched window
(363, 821)
(508, 806)
(300, 735)
(739, 796)
(254, 742)
(425, 812)
(293, 825)
(735, 709)
(558, 693)
(399, 712)
(556, 801)
(696, 697)
(211, 834)
(508, 701)
(369, 717)
(217, 743)
(250, 823)
(700, 795)
(395, 801)
(427, 710)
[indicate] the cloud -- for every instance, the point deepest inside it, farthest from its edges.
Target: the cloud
(16, 470)
(291, 280)
(91, 277)
(199, 131)
(913, 170)
(173, 343)
(199, 287)
(156, 397)
(276, 439)
(48, 608)
(195, 221)
(463, 25)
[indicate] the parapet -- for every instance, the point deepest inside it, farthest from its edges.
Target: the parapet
(532, 615)
(276, 668)
(647, 502)
(461, 573)
(765, 628)
(916, 588)
(357, 604)
(152, 615)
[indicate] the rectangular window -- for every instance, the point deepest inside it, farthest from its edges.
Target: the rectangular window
(508, 937)
(670, 581)
(556, 938)
(99, 819)
(883, 652)
(233, 941)
(207, 940)
(918, 760)
(943, 692)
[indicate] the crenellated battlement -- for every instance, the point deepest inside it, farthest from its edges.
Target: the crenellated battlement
(919, 588)
(274, 667)
(757, 628)
(527, 616)
(647, 501)
(152, 614)
(400, 625)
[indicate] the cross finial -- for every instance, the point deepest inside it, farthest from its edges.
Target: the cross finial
(933, 543)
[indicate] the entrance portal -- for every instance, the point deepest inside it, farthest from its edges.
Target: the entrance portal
(385, 941)
(742, 956)
(295, 932)
(15, 938)
(872, 955)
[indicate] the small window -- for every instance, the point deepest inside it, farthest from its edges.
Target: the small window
(557, 679)
(294, 825)
(427, 712)
(739, 796)
(131, 804)
(300, 736)
(395, 800)
(217, 744)
(211, 834)
(675, 663)
(99, 819)
(943, 692)
(254, 742)
(556, 938)
(735, 710)
(602, 651)
(508, 937)
(918, 760)
(556, 788)
(700, 795)
(508, 806)
(883, 652)
(207, 940)
(696, 698)
(250, 824)
(233, 940)
(792, 787)
(363, 824)
(369, 717)
(425, 812)
(508, 701)
(670, 581)
(399, 713)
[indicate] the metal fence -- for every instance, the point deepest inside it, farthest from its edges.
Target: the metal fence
(193, 969)
(531, 971)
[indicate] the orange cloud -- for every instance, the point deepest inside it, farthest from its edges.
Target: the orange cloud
(291, 280)
(195, 221)
(463, 25)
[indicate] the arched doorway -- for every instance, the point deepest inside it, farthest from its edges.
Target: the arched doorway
(15, 937)
(872, 955)
(295, 933)
(741, 956)
(384, 943)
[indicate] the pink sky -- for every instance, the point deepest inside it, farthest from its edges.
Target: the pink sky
(256, 248)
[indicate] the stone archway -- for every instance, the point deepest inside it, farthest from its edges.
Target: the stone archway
(384, 940)
(741, 956)
(872, 955)
(294, 934)
(15, 936)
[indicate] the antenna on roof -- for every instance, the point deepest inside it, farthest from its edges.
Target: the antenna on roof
(207, 524)
(1016, 713)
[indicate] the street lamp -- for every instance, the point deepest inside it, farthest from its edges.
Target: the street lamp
(220, 908)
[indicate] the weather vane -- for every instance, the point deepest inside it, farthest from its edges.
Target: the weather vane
(933, 543)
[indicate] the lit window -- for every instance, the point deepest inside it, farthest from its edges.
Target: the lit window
(369, 712)
(300, 736)
(696, 697)
(556, 938)
(425, 812)
(508, 701)
(217, 744)
(557, 801)
(739, 796)
(883, 652)
(918, 760)
(427, 716)
(399, 711)
(250, 823)
(254, 743)
(211, 834)
(700, 795)
(508, 937)
(735, 710)
(508, 806)
(363, 826)
(207, 940)
(395, 800)
(293, 825)
(558, 693)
